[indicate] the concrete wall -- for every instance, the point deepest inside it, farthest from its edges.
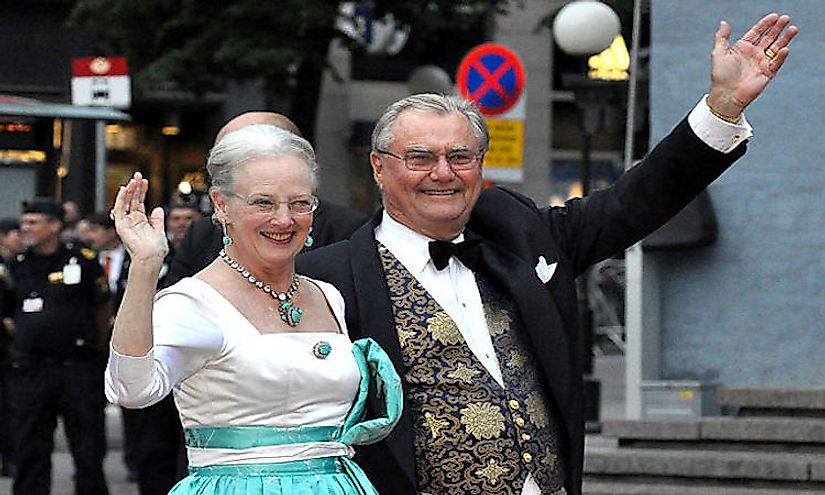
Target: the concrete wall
(749, 310)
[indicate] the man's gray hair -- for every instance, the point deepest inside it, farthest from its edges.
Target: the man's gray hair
(433, 103)
(252, 142)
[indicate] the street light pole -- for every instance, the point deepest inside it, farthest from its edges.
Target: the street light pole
(592, 386)
(591, 96)
(587, 27)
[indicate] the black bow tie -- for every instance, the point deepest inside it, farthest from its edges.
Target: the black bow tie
(469, 252)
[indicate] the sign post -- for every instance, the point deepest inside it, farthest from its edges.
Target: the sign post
(101, 81)
(492, 76)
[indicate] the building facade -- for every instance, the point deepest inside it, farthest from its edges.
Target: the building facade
(747, 310)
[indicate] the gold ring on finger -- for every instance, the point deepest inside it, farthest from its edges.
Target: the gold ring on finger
(770, 53)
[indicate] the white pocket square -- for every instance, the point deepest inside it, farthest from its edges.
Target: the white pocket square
(545, 271)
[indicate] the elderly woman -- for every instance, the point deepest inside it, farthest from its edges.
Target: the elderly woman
(270, 389)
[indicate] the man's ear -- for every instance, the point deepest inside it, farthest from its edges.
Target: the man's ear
(377, 168)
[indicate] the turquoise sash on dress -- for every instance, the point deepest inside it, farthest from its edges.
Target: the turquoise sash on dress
(375, 367)
(248, 437)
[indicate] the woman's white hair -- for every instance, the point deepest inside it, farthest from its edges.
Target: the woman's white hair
(252, 142)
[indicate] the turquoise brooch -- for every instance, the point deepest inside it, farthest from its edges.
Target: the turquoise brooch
(322, 349)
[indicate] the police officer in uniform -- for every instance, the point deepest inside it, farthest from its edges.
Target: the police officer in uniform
(6, 468)
(61, 313)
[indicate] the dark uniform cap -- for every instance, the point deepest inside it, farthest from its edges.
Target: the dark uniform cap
(8, 224)
(46, 207)
(101, 219)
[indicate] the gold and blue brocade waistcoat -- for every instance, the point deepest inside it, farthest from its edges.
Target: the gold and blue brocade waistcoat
(472, 436)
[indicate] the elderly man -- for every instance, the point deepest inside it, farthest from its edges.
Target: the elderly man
(472, 293)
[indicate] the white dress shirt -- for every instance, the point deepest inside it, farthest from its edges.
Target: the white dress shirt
(455, 289)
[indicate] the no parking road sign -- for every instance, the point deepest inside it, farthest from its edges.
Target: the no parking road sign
(492, 76)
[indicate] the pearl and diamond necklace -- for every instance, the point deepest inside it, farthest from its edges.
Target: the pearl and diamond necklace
(290, 313)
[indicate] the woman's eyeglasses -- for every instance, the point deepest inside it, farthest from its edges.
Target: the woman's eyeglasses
(297, 206)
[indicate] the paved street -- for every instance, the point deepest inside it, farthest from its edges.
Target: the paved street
(63, 468)
(609, 370)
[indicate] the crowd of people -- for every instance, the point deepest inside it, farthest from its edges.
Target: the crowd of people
(62, 281)
(289, 345)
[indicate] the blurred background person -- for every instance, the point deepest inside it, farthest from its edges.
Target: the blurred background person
(70, 218)
(10, 242)
(82, 229)
(178, 218)
(102, 237)
(60, 307)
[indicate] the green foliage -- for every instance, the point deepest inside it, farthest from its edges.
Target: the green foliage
(200, 45)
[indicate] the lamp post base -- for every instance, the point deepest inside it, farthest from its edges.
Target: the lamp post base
(592, 401)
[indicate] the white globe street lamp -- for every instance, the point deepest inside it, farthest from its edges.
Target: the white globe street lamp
(585, 27)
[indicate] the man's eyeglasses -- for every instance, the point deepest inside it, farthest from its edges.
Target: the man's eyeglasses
(424, 161)
(298, 206)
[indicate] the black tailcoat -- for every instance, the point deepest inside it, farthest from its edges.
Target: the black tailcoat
(515, 235)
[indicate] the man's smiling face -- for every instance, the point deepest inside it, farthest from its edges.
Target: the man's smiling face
(435, 203)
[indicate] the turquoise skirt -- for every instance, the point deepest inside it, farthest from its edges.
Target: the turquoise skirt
(326, 476)
(320, 476)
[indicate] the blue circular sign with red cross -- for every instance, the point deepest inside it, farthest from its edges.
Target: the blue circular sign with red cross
(492, 77)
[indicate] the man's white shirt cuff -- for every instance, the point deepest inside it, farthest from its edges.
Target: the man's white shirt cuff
(718, 134)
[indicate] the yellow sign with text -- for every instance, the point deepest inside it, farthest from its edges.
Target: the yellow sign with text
(506, 144)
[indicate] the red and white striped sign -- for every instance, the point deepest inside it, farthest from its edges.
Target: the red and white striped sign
(101, 81)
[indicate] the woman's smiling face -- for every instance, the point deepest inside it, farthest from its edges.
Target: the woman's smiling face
(265, 232)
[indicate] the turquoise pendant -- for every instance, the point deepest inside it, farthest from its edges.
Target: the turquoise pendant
(322, 349)
(290, 313)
